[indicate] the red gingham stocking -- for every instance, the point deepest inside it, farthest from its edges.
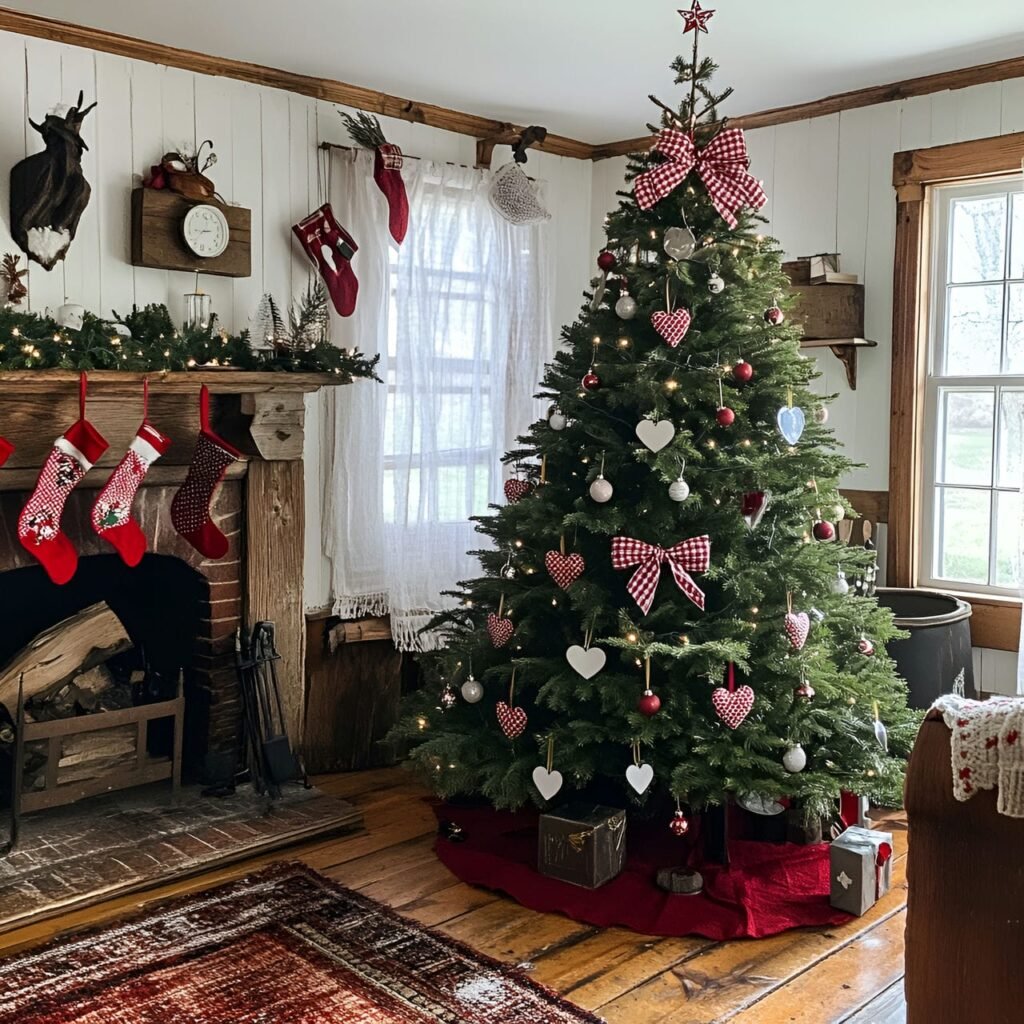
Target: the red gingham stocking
(190, 509)
(112, 512)
(71, 457)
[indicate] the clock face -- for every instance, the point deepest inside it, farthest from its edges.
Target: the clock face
(205, 229)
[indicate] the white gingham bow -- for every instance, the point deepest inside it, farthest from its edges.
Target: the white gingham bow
(693, 555)
(722, 165)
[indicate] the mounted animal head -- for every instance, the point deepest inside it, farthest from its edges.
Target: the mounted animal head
(49, 193)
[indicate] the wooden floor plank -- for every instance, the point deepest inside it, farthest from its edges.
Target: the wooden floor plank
(888, 1008)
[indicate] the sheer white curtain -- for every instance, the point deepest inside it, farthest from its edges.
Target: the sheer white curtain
(461, 316)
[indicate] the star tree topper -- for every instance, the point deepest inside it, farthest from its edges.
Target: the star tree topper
(696, 18)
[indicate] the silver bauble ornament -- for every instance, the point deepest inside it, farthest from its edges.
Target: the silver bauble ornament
(625, 308)
(679, 490)
(839, 585)
(716, 285)
(795, 759)
(601, 490)
(557, 420)
(472, 691)
(679, 243)
(820, 415)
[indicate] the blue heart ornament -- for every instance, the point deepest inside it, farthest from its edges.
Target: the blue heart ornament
(791, 423)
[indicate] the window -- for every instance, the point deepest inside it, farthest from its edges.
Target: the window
(974, 387)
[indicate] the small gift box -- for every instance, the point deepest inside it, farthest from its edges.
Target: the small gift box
(582, 843)
(860, 862)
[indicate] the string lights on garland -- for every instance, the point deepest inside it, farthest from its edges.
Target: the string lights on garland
(148, 340)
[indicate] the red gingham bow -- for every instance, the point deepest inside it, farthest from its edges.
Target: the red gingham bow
(693, 555)
(722, 165)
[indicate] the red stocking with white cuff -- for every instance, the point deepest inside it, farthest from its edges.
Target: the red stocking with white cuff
(330, 248)
(71, 457)
(112, 512)
(190, 509)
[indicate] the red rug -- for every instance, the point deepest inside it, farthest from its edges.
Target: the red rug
(284, 946)
(768, 888)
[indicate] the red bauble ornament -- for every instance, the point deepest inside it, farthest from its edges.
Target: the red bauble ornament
(774, 316)
(743, 371)
(725, 416)
(649, 704)
(606, 261)
(591, 381)
(824, 530)
(679, 826)
(804, 691)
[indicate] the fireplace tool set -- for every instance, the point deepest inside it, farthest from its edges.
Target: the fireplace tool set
(272, 762)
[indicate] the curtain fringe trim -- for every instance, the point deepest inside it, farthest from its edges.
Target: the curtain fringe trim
(406, 628)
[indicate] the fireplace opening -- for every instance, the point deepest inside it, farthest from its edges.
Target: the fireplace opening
(164, 607)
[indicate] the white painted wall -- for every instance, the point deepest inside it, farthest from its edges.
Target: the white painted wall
(266, 142)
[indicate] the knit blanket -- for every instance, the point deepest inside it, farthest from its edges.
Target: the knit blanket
(988, 748)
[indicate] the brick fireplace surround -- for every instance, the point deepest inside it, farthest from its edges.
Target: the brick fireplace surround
(259, 507)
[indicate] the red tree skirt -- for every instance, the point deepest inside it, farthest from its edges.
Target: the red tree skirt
(768, 888)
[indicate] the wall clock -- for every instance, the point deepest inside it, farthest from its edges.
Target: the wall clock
(205, 230)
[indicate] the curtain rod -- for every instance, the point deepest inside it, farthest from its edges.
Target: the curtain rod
(355, 149)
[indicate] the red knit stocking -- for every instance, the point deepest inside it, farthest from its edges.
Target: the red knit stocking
(112, 512)
(387, 172)
(5, 450)
(71, 457)
(331, 248)
(190, 509)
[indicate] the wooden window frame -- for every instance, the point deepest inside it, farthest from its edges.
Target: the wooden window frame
(996, 620)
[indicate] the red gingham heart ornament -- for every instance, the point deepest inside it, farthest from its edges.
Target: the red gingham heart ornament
(672, 326)
(798, 625)
(499, 629)
(733, 706)
(511, 720)
(516, 490)
(564, 569)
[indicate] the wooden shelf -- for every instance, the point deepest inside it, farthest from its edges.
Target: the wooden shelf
(845, 350)
(221, 382)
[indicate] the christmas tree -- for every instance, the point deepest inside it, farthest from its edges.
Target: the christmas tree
(664, 619)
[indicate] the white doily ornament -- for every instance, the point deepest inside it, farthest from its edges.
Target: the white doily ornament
(514, 196)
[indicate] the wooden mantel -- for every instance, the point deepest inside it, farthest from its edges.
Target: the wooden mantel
(262, 414)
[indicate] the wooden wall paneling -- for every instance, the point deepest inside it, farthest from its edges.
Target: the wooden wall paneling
(213, 121)
(978, 111)
(791, 156)
(302, 152)
(916, 122)
(944, 119)
(277, 205)
(352, 700)
(996, 671)
(247, 189)
(112, 188)
(274, 547)
(177, 96)
(45, 91)
(147, 139)
(761, 150)
(12, 128)
(83, 265)
(1011, 113)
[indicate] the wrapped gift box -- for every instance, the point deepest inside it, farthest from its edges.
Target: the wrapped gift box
(860, 862)
(582, 843)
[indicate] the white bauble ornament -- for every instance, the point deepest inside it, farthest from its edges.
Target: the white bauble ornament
(839, 584)
(795, 759)
(679, 243)
(820, 415)
(601, 490)
(838, 513)
(716, 285)
(625, 308)
(472, 691)
(679, 490)
(557, 420)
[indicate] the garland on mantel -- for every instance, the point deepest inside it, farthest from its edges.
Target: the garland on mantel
(148, 340)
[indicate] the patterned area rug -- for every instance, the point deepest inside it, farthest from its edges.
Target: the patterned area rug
(286, 946)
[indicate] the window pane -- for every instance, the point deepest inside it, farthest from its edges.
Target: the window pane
(962, 535)
(1017, 237)
(1011, 445)
(1007, 568)
(978, 239)
(965, 437)
(974, 328)
(1015, 328)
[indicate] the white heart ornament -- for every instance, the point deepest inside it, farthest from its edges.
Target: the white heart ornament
(640, 776)
(548, 783)
(791, 422)
(655, 434)
(587, 661)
